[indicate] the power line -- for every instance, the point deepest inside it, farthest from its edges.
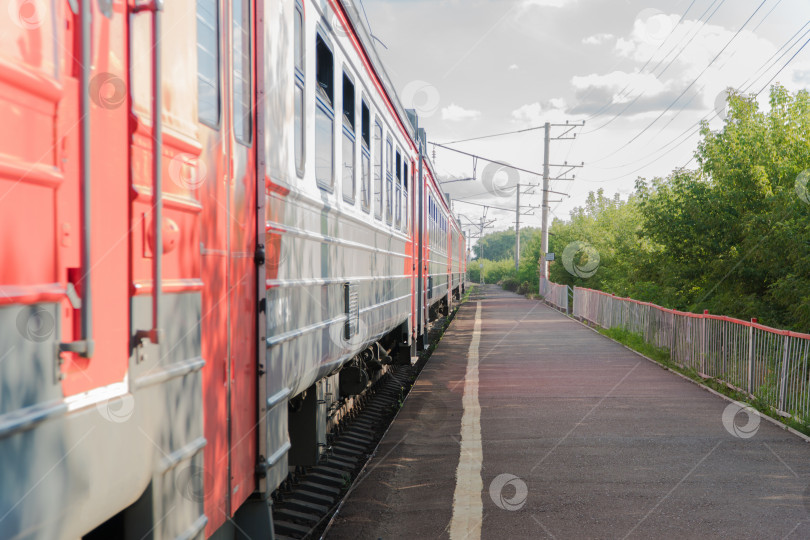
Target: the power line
(747, 84)
(783, 67)
(669, 107)
(621, 92)
(635, 100)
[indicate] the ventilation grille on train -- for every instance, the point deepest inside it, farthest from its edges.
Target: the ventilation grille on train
(351, 304)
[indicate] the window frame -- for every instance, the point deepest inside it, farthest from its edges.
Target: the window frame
(218, 64)
(379, 153)
(348, 130)
(327, 105)
(405, 206)
(398, 187)
(389, 179)
(249, 90)
(301, 84)
(365, 155)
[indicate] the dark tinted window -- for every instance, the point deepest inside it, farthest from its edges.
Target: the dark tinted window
(366, 127)
(324, 71)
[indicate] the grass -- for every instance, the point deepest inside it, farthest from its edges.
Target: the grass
(662, 356)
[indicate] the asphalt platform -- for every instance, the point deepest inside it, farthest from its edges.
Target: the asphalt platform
(537, 427)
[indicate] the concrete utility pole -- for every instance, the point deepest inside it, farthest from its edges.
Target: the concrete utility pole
(517, 229)
(544, 244)
(546, 177)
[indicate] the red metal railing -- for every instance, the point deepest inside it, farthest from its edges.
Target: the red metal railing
(555, 294)
(764, 362)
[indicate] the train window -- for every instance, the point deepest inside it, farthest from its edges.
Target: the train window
(398, 198)
(348, 140)
(389, 180)
(378, 170)
(208, 62)
(365, 157)
(242, 90)
(348, 102)
(324, 71)
(300, 85)
(405, 207)
(324, 116)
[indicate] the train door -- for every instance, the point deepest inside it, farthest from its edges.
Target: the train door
(228, 243)
(212, 185)
(242, 248)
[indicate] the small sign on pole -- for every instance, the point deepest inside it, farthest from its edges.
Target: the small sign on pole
(549, 257)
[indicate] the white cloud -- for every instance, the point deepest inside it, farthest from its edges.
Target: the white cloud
(531, 113)
(617, 81)
(535, 114)
(454, 113)
(514, 67)
(598, 39)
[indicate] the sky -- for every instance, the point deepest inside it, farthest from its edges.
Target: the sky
(640, 74)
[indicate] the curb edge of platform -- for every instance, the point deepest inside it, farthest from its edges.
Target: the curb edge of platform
(385, 433)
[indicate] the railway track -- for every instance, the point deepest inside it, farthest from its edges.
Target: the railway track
(305, 503)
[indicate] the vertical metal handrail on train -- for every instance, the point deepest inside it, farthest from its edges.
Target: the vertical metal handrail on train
(84, 347)
(156, 7)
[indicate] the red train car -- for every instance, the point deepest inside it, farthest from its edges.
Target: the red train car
(207, 209)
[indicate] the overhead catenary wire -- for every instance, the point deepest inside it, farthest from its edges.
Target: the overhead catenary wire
(503, 164)
(535, 128)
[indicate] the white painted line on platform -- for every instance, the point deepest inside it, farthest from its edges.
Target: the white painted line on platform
(468, 506)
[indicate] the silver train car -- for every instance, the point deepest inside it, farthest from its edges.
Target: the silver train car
(366, 249)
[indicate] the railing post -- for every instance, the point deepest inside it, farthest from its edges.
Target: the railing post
(783, 382)
(672, 339)
(703, 344)
(751, 357)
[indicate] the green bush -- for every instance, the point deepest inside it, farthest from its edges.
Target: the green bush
(524, 288)
(509, 284)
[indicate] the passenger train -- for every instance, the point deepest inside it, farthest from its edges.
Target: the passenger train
(217, 225)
